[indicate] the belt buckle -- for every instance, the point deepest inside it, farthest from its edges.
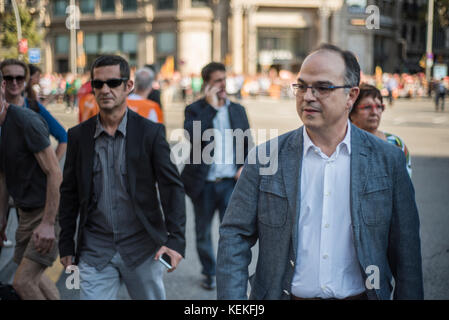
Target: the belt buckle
(218, 180)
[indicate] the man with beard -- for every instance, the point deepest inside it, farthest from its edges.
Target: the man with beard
(210, 182)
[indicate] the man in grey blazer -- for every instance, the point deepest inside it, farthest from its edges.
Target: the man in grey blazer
(338, 218)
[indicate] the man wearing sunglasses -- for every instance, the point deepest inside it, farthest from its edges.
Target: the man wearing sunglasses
(338, 219)
(16, 74)
(114, 161)
(30, 174)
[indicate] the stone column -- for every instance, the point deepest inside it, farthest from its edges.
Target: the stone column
(237, 37)
(216, 51)
(252, 41)
(324, 14)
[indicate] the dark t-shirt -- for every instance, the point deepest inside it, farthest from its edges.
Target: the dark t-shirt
(23, 134)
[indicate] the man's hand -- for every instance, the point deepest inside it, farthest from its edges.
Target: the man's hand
(44, 237)
(175, 257)
(66, 261)
(211, 95)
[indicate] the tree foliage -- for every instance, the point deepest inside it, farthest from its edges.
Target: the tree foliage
(8, 32)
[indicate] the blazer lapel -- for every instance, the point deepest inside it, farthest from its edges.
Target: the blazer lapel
(290, 163)
(133, 138)
(87, 156)
(360, 155)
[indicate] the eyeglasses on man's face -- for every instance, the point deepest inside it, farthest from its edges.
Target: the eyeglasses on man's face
(318, 90)
(112, 83)
(373, 107)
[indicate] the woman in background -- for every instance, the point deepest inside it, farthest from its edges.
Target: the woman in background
(367, 113)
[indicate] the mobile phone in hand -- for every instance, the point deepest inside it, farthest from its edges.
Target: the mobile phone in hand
(165, 260)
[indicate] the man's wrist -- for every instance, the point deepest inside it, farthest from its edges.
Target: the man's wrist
(48, 221)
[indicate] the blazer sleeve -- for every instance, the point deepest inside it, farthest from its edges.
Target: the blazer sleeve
(238, 233)
(404, 249)
(171, 192)
(195, 112)
(69, 204)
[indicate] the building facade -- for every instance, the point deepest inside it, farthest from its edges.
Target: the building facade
(249, 36)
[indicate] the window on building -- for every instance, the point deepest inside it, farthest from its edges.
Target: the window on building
(91, 43)
(129, 5)
(60, 7)
(129, 42)
(165, 4)
(165, 43)
(62, 44)
(356, 6)
(110, 43)
(199, 3)
(107, 5)
(63, 65)
(87, 6)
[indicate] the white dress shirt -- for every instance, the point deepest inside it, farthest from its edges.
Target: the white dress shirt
(326, 263)
(223, 165)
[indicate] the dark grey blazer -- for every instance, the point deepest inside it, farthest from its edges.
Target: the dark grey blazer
(194, 175)
(148, 162)
(266, 208)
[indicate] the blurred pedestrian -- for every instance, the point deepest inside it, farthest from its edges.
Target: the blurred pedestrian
(16, 75)
(33, 89)
(154, 94)
(137, 100)
(440, 95)
(210, 182)
(30, 173)
(116, 163)
(367, 113)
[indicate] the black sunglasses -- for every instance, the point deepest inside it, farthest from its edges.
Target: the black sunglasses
(12, 78)
(112, 83)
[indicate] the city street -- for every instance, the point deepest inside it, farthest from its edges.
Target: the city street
(426, 134)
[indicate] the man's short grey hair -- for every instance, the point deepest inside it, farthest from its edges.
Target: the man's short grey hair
(144, 79)
(352, 67)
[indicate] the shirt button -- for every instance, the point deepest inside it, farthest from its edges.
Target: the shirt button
(326, 225)
(325, 256)
(323, 287)
(327, 194)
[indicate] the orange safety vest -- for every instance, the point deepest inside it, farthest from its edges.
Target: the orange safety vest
(147, 109)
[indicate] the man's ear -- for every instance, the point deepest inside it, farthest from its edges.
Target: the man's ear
(129, 86)
(352, 97)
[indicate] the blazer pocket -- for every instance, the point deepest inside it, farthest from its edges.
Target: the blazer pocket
(273, 204)
(377, 201)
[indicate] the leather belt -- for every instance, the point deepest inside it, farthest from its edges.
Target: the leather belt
(361, 296)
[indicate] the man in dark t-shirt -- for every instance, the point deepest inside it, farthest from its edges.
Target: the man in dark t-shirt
(30, 173)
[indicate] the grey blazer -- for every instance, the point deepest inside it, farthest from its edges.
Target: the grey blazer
(384, 217)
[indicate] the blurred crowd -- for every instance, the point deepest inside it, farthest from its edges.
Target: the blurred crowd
(63, 88)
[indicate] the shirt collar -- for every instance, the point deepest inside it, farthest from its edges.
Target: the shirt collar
(345, 142)
(227, 103)
(121, 127)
